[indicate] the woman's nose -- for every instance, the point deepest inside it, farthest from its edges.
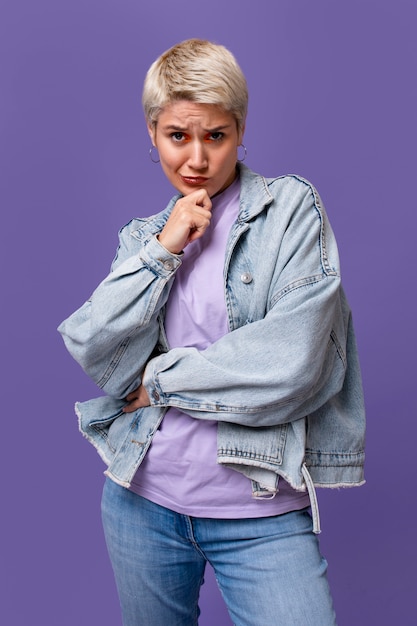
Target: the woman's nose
(198, 155)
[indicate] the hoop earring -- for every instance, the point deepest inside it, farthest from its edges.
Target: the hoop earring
(151, 154)
(242, 145)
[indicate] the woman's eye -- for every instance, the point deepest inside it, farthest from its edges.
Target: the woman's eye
(216, 136)
(177, 136)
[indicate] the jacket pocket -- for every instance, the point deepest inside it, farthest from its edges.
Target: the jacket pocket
(104, 424)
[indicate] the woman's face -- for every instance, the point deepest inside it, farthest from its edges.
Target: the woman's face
(197, 145)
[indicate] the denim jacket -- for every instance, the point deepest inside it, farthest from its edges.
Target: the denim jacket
(284, 384)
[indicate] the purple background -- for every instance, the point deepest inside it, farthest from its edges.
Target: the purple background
(333, 98)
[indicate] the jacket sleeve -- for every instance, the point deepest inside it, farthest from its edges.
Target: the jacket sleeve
(263, 373)
(115, 332)
(282, 366)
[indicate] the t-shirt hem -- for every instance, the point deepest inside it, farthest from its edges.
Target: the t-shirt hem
(251, 511)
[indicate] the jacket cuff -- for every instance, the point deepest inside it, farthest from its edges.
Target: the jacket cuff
(151, 385)
(159, 259)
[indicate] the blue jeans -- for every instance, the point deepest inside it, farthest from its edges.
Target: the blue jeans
(269, 570)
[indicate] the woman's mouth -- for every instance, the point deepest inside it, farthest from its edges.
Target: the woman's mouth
(194, 180)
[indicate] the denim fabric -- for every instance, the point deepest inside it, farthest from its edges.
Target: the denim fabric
(284, 384)
(269, 570)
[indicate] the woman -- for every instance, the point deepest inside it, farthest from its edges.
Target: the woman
(224, 343)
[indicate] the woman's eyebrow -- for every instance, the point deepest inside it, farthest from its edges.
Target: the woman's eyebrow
(181, 129)
(178, 129)
(217, 129)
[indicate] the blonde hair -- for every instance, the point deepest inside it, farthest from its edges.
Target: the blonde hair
(198, 71)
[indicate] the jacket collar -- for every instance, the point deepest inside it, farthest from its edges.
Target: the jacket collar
(254, 193)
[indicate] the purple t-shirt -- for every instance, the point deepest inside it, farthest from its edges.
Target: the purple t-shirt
(180, 470)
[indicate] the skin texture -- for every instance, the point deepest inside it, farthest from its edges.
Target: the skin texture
(197, 145)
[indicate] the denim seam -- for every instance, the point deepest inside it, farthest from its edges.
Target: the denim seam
(334, 459)
(297, 284)
(250, 455)
(323, 249)
(117, 357)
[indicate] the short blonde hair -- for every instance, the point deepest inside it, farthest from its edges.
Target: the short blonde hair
(198, 71)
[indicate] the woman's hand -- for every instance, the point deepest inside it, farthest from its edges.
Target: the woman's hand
(188, 221)
(137, 399)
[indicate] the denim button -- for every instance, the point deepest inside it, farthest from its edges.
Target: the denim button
(169, 265)
(246, 277)
(155, 395)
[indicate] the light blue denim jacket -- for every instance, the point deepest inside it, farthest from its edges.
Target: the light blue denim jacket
(284, 384)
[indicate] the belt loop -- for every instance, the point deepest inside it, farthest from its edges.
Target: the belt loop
(313, 499)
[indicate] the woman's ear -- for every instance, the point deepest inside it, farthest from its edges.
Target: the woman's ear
(152, 132)
(241, 133)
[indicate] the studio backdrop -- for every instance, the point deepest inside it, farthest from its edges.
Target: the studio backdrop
(332, 98)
